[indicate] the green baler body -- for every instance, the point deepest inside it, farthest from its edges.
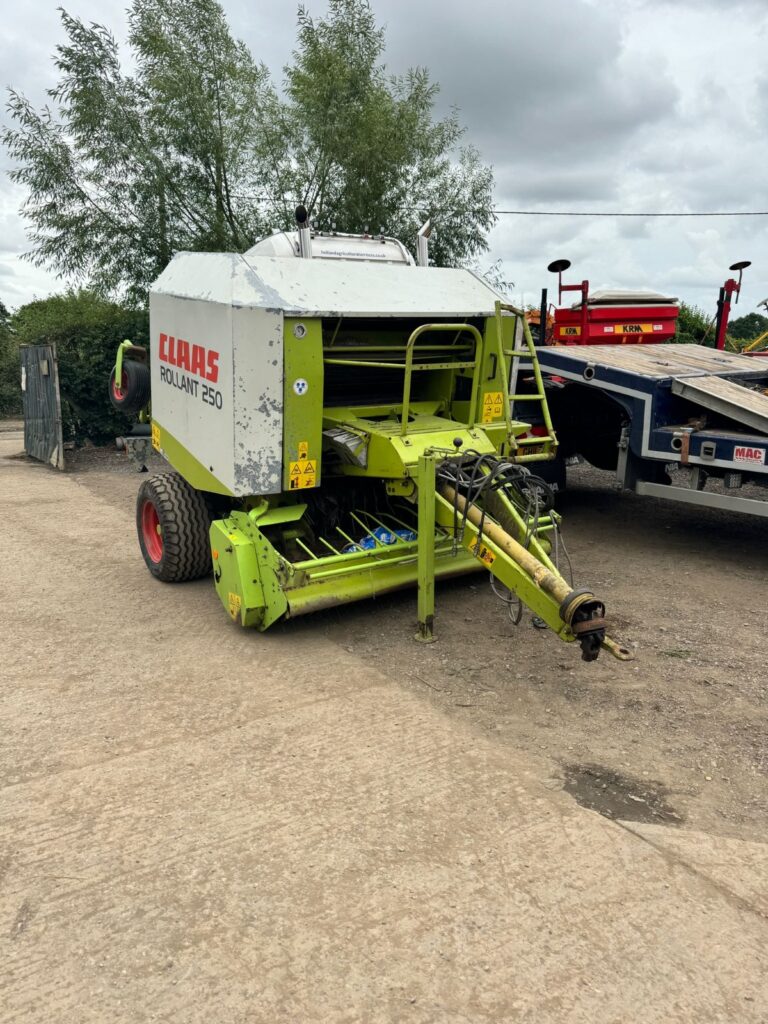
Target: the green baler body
(355, 409)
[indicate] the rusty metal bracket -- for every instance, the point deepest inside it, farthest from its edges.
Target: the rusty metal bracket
(685, 447)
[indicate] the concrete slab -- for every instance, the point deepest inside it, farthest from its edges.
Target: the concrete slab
(737, 866)
(200, 824)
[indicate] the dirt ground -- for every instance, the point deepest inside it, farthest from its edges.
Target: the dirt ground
(678, 735)
(331, 823)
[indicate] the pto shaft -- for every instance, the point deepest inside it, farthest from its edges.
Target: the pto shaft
(580, 610)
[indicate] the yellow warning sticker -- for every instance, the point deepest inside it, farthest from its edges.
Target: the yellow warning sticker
(156, 437)
(302, 473)
(633, 328)
(493, 406)
(303, 449)
(484, 554)
(234, 604)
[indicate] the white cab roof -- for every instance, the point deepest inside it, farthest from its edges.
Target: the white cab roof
(301, 287)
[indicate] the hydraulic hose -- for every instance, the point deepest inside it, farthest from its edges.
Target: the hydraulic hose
(555, 586)
(579, 609)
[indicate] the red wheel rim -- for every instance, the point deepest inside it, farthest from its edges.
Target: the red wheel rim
(150, 531)
(117, 389)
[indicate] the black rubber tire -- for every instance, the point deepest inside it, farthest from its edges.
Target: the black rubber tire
(133, 393)
(184, 521)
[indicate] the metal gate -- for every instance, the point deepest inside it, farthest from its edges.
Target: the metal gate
(42, 404)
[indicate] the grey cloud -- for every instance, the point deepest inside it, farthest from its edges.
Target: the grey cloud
(545, 186)
(633, 228)
(536, 242)
(550, 76)
(634, 104)
(698, 5)
(30, 38)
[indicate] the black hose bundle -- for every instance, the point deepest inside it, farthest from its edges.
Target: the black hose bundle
(476, 477)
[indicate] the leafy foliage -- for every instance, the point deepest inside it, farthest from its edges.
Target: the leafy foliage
(365, 149)
(86, 330)
(10, 371)
(694, 327)
(196, 150)
(494, 275)
(131, 169)
(747, 328)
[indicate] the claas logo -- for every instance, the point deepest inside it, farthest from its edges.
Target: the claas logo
(197, 359)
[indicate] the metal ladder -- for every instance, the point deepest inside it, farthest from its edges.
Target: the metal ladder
(547, 442)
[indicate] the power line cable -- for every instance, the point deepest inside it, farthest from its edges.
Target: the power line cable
(595, 213)
(549, 213)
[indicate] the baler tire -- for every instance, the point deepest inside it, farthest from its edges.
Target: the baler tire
(133, 392)
(173, 523)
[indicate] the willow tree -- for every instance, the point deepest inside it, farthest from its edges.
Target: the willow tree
(366, 147)
(197, 149)
(121, 170)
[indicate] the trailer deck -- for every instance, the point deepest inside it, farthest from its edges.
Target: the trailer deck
(688, 413)
(657, 362)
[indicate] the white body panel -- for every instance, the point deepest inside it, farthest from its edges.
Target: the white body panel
(233, 307)
(327, 287)
(333, 246)
(360, 289)
(233, 425)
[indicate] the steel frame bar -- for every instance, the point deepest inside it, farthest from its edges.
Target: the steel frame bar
(426, 476)
(475, 364)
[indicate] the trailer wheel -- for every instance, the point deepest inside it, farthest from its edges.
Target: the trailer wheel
(173, 521)
(131, 394)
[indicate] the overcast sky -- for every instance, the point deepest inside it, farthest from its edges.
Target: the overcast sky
(619, 105)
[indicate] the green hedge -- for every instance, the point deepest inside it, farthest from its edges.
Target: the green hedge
(86, 330)
(10, 373)
(748, 327)
(694, 327)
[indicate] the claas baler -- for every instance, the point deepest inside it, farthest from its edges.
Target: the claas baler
(337, 423)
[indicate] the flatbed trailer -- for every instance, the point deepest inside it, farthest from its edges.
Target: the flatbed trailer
(668, 419)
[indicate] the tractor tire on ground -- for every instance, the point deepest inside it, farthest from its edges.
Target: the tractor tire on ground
(173, 521)
(132, 393)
